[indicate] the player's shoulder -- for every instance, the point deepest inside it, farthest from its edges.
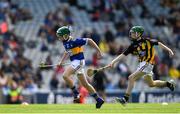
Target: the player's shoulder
(77, 38)
(149, 38)
(72, 39)
(152, 40)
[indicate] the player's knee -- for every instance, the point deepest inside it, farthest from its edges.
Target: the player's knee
(65, 77)
(86, 85)
(130, 78)
(151, 84)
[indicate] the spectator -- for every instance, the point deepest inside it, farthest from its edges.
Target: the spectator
(3, 79)
(38, 78)
(160, 21)
(95, 36)
(49, 60)
(176, 28)
(99, 82)
(174, 73)
(54, 82)
(122, 84)
(44, 45)
(121, 30)
(163, 70)
(3, 27)
(17, 77)
(124, 72)
(104, 46)
(109, 36)
(156, 72)
(96, 15)
(145, 12)
(95, 59)
(166, 59)
(14, 94)
(68, 15)
(123, 69)
(30, 86)
(87, 33)
(83, 93)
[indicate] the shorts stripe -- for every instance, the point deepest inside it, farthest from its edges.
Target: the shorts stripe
(143, 67)
(77, 68)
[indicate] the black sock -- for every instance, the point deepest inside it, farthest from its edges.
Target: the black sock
(126, 97)
(168, 84)
(95, 96)
(75, 91)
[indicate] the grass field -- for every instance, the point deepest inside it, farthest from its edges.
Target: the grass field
(90, 109)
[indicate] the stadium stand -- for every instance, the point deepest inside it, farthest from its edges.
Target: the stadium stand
(27, 37)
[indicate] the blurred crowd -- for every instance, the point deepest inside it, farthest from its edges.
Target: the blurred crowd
(107, 11)
(17, 73)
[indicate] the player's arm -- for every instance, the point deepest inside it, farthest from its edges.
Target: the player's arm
(94, 45)
(116, 60)
(65, 55)
(166, 48)
(125, 53)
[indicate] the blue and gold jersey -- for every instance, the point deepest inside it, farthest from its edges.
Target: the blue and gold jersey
(74, 47)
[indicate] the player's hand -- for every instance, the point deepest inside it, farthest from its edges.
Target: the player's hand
(99, 55)
(171, 53)
(59, 64)
(111, 64)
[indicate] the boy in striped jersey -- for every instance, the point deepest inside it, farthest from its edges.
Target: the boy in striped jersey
(144, 49)
(74, 48)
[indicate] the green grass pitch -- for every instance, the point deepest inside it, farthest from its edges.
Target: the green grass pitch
(133, 108)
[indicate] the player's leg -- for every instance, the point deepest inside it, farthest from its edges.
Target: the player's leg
(103, 94)
(91, 90)
(67, 77)
(131, 81)
(159, 83)
(85, 83)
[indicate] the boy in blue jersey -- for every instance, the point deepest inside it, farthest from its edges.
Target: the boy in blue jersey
(74, 48)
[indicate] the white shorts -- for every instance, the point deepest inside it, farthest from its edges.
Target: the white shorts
(146, 68)
(78, 65)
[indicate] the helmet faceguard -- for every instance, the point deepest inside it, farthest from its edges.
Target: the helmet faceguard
(136, 32)
(63, 33)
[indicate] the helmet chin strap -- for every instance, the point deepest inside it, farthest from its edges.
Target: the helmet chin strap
(137, 36)
(65, 37)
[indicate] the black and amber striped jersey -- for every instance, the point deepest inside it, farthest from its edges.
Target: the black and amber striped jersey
(143, 48)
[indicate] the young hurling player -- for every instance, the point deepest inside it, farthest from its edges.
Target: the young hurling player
(74, 48)
(144, 49)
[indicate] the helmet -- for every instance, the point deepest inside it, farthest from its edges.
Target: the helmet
(137, 29)
(63, 31)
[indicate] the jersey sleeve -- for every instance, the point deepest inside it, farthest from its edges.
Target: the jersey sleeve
(128, 50)
(80, 42)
